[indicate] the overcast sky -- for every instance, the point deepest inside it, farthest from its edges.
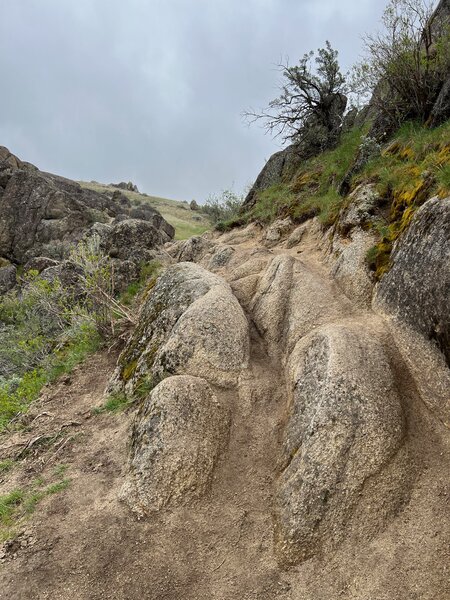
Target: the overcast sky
(153, 90)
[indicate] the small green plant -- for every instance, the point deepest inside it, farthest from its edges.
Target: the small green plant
(60, 470)
(18, 504)
(114, 403)
(148, 275)
(8, 504)
(6, 465)
(145, 385)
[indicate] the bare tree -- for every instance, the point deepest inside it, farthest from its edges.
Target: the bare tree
(312, 98)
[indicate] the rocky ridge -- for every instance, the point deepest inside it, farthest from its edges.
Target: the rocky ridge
(43, 216)
(347, 460)
(290, 434)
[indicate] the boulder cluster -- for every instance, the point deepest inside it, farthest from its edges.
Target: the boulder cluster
(43, 216)
(347, 457)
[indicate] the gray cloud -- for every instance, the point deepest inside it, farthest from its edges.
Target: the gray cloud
(153, 90)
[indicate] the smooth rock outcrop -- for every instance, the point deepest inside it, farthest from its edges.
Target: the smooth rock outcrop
(191, 323)
(344, 443)
(290, 301)
(177, 438)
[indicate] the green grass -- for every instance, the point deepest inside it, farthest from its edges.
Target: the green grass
(312, 191)
(186, 222)
(18, 504)
(412, 167)
(14, 400)
(113, 404)
(6, 465)
(147, 278)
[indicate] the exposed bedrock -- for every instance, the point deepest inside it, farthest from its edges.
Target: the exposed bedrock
(344, 443)
(291, 300)
(176, 441)
(416, 290)
(191, 323)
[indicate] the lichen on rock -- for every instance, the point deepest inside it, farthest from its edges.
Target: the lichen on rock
(177, 438)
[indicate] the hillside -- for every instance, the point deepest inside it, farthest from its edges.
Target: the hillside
(186, 222)
(233, 462)
(258, 411)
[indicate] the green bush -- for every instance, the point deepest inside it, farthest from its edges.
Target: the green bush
(223, 206)
(47, 329)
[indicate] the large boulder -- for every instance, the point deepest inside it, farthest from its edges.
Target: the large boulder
(276, 231)
(416, 290)
(343, 446)
(191, 323)
(191, 250)
(133, 239)
(177, 438)
(349, 264)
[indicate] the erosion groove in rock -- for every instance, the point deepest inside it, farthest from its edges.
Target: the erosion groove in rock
(176, 441)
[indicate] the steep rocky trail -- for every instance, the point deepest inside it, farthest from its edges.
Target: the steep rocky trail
(86, 544)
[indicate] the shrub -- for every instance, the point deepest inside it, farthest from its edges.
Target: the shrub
(223, 207)
(306, 106)
(406, 64)
(46, 329)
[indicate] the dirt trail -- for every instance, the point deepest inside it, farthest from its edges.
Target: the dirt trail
(88, 546)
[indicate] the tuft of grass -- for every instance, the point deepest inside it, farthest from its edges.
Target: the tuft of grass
(147, 278)
(114, 403)
(148, 383)
(60, 470)
(8, 504)
(6, 465)
(18, 504)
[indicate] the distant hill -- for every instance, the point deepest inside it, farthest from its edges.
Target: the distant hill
(186, 222)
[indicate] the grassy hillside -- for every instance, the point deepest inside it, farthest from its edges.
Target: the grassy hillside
(412, 167)
(186, 222)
